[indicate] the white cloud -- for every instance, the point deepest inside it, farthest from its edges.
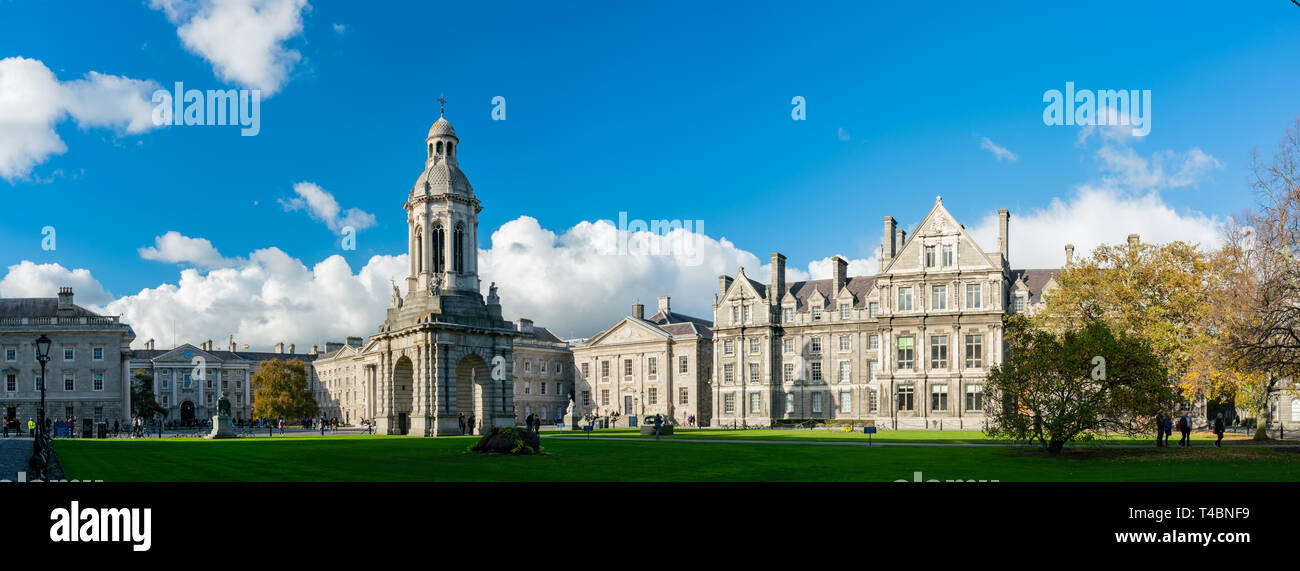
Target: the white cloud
(998, 151)
(340, 28)
(322, 206)
(842, 134)
(243, 39)
(176, 248)
(29, 279)
(33, 101)
(1124, 167)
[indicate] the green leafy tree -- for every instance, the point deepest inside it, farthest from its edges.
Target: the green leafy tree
(143, 402)
(1058, 387)
(280, 390)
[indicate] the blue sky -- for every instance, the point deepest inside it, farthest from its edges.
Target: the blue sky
(676, 110)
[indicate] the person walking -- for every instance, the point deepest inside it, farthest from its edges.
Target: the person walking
(281, 427)
(1169, 429)
(1185, 428)
(1160, 428)
(470, 424)
(659, 424)
(462, 424)
(31, 427)
(1218, 431)
(528, 422)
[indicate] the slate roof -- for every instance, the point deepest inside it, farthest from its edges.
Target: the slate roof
(859, 286)
(1034, 280)
(680, 324)
(38, 307)
(230, 355)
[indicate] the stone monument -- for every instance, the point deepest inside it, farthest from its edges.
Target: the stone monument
(221, 425)
(570, 417)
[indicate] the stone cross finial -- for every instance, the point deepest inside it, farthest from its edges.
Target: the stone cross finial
(442, 104)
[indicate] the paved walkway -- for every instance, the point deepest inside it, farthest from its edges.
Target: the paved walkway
(14, 454)
(923, 444)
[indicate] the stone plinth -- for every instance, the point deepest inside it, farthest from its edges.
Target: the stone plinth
(222, 428)
(649, 430)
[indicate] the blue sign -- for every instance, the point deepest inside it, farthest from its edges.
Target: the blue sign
(868, 430)
(587, 428)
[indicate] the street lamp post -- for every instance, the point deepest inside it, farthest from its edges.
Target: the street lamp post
(41, 443)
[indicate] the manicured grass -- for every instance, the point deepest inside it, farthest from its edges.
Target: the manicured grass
(835, 435)
(388, 458)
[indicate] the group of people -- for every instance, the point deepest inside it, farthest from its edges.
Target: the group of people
(1165, 430)
(534, 423)
(466, 424)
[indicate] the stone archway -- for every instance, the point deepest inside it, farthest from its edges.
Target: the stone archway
(187, 413)
(472, 390)
(403, 391)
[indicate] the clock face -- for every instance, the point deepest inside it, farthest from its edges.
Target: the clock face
(627, 332)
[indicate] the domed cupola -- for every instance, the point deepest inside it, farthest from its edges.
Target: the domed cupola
(441, 173)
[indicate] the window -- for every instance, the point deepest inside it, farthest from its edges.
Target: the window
(874, 341)
(874, 309)
(729, 403)
(939, 297)
(559, 369)
(1020, 304)
(735, 314)
(542, 364)
(939, 398)
(684, 364)
(929, 256)
(652, 366)
(98, 381)
(164, 400)
(627, 367)
(815, 344)
(683, 396)
(187, 380)
(559, 388)
(586, 371)
(844, 311)
(755, 402)
(817, 313)
(938, 352)
(749, 314)
(789, 403)
(753, 373)
(787, 345)
(604, 369)
(586, 398)
(69, 354)
(846, 402)
(789, 315)
(817, 370)
(975, 397)
(873, 401)
(974, 351)
(97, 353)
(99, 414)
(543, 385)
(873, 369)
(753, 345)
(11, 382)
(817, 403)
(729, 347)
(947, 255)
(208, 397)
(906, 352)
(905, 396)
(11, 354)
(845, 368)
(458, 253)
(729, 373)
(68, 385)
(973, 296)
(787, 373)
(604, 397)
(653, 394)
(844, 342)
(166, 383)
(68, 412)
(528, 366)
(905, 299)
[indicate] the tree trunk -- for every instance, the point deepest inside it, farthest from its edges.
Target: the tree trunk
(1055, 445)
(1261, 420)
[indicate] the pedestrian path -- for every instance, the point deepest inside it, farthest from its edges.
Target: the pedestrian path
(919, 444)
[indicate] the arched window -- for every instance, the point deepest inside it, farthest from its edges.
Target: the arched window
(440, 147)
(450, 147)
(439, 246)
(430, 149)
(458, 255)
(419, 251)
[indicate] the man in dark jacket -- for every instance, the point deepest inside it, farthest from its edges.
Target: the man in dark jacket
(1160, 429)
(470, 424)
(1185, 427)
(1218, 430)
(462, 424)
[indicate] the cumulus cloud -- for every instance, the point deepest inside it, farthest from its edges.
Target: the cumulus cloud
(322, 206)
(176, 248)
(998, 151)
(29, 279)
(33, 101)
(243, 39)
(1124, 167)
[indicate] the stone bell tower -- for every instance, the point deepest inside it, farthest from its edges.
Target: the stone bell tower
(442, 218)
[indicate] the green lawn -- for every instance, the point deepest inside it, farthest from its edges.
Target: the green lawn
(917, 436)
(395, 458)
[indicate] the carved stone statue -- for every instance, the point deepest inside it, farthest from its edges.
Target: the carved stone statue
(223, 405)
(221, 425)
(435, 286)
(492, 290)
(397, 295)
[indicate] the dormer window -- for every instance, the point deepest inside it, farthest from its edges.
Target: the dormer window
(929, 256)
(844, 311)
(1020, 304)
(947, 255)
(817, 313)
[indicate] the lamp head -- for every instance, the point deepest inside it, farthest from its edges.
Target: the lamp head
(43, 348)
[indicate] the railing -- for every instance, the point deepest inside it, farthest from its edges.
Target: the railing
(89, 320)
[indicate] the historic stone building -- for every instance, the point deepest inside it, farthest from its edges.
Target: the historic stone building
(87, 369)
(639, 366)
(340, 389)
(543, 374)
(907, 347)
(443, 350)
(188, 379)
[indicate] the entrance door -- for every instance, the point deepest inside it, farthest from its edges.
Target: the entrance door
(187, 413)
(403, 423)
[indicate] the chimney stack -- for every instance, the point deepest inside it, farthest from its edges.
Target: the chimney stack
(839, 275)
(901, 238)
(291, 348)
(331, 346)
(664, 307)
(1004, 217)
(776, 289)
(1132, 239)
(888, 246)
(279, 348)
(525, 325)
(313, 349)
(353, 341)
(65, 307)
(1069, 253)
(232, 344)
(638, 311)
(724, 282)
(149, 344)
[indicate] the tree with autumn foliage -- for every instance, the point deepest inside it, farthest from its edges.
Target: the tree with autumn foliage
(1255, 319)
(280, 390)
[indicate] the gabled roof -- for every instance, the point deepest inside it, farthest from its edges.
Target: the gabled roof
(1034, 281)
(38, 307)
(859, 286)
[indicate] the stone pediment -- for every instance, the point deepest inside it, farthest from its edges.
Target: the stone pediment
(628, 330)
(179, 354)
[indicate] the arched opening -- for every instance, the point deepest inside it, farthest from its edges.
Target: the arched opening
(451, 147)
(439, 147)
(403, 379)
(472, 390)
(430, 150)
(419, 250)
(458, 255)
(439, 247)
(187, 413)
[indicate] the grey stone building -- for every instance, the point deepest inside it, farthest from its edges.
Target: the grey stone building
(87, 371)
(907, 347)
(642, 366)
(341, 390)
(543, 374)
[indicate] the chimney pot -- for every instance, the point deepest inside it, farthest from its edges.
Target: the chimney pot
(291, 348)
(1069, 253)
(664, 306)
(1132, 239)
(638, 311)
(776, 289)
(279, 347)
(889, 244)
